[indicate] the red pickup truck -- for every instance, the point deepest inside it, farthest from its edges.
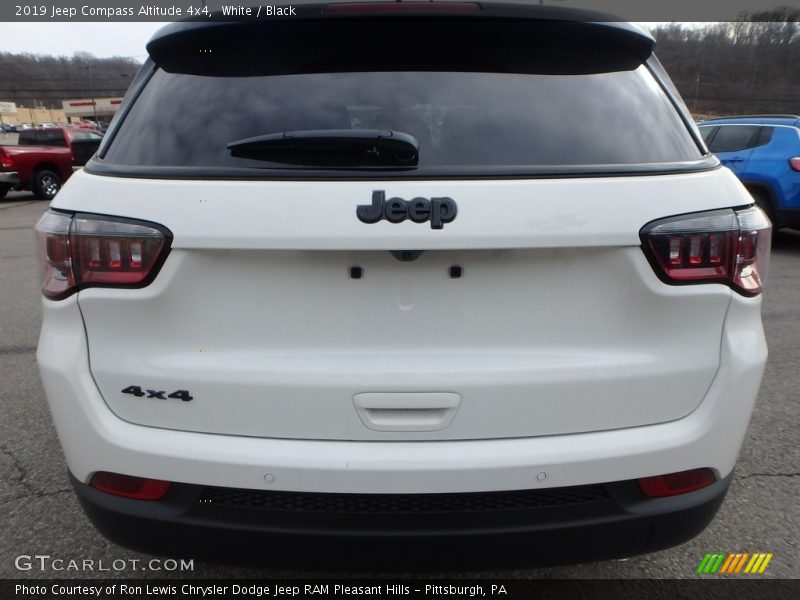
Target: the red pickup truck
(44, 158)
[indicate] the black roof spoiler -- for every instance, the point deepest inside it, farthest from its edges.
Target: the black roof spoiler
(201, 44)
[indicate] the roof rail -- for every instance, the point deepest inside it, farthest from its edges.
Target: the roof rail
(754, 117)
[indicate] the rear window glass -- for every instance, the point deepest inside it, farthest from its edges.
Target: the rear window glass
(466, 120)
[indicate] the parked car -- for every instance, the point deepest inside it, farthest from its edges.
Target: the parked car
(478, 330)
(44, 158)
(764, 152)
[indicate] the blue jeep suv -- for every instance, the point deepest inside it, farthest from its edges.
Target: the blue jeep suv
(764, 152)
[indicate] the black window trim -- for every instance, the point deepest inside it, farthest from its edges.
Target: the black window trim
(652, 64)
(99, 167)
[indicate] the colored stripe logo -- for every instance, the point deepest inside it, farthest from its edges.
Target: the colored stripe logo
(733, 563)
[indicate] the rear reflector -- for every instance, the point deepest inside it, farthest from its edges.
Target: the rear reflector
(81, 251)
(794, 162)
(722, 246)
(676, 483)
(127, 486)
(386, 8)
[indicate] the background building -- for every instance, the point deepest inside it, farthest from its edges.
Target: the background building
(94, 109)
(11, 113)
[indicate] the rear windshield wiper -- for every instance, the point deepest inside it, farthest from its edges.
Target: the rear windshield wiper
(332, 148)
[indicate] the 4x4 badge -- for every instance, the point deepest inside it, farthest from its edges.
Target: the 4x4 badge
(395, 210)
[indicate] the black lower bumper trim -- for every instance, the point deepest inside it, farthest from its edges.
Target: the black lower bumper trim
(427, 531)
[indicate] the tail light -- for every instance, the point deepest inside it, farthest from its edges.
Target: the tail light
(81, 251)
(676, 483)
(127, 486)
(6, 161)
(722, 246)
(794, 162)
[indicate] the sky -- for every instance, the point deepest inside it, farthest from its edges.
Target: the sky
(64, 39)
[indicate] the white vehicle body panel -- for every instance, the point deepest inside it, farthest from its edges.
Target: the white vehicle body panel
(94, 438)
(551, 330)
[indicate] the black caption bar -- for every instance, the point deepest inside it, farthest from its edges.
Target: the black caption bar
(585, 589)
(159, 10)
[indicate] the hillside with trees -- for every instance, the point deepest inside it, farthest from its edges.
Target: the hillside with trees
(44, 81)
(750, 66)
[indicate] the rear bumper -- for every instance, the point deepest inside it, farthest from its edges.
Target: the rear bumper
(9, 178)
(558, 525)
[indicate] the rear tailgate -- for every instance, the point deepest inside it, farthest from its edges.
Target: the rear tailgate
(557, 323)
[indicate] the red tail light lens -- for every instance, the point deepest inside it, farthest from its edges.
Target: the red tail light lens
(724, 246)
(794, 162)
(6, 161)
(127, 486)
(81, 251)
(676, 483)
(55, 263)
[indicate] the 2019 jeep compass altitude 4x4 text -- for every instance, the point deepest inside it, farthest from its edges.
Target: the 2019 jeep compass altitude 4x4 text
(481, 293)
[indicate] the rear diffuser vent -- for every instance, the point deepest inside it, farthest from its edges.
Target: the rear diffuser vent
(402, 503)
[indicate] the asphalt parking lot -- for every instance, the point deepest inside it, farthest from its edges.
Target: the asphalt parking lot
(40, 515)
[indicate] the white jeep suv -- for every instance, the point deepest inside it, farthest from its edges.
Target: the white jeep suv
(451, 279)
